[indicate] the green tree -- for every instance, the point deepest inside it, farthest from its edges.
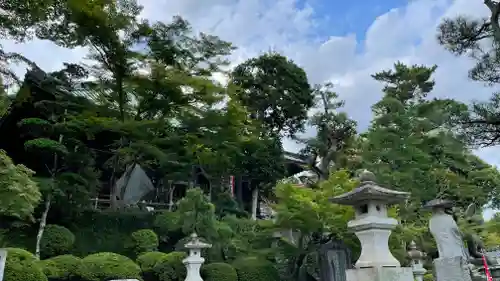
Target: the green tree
(19, 194)
(410, 146)
(70, 177)
(312, 218)
(478, 38)
(334, 133)
(276, 91)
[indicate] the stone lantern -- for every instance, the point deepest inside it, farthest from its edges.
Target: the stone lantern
(373, 227)
(417, 257)
(194, 260)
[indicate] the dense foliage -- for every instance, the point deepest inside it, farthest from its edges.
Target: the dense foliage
(149, 99)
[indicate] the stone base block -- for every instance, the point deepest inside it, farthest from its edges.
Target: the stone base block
(451, 269)
(380, 274)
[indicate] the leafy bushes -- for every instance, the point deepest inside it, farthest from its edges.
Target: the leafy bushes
(56, 240)
(428, 277)
(171, 268)
(165, 223)
(144, 240)
(219, 272)
(21, 265)
(104, 231)
(253, 269)
(61, 267)
(107, 266)
(148, 261)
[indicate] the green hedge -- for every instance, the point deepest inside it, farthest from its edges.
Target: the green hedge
(56, 240)
(171, 268)
(105, 231)
(107, 266)
(219, 272)
(253, 269)
(148, 261)
(142, 241)
(22, 265)
(60, 268)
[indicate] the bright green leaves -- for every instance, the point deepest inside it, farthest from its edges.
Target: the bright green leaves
(19, 194)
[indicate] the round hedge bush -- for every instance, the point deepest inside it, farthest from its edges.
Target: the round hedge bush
(166, 223)
(56, 240)
(22, 265)
(148, 260)
(60, 267)
(219, 272)
(143, 240)
(107, 266)
(171, 268)
(253, 269)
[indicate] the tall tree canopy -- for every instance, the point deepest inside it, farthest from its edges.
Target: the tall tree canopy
(276, 91)
(478, 38)
(411, 147)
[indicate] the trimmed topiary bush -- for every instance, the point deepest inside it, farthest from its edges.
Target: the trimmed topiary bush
(22, 265)
(143, 240)
(219, 272)
(147, 262)
(60, 267)
(171, 268)
(56, 240)
(107, 266)
(253, 269)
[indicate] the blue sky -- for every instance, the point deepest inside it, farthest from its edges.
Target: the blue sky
(352, 16)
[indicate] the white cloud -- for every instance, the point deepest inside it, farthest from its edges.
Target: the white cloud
(255, 26)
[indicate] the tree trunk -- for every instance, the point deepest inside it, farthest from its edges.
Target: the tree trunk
(43, 222)
(239, 192)
(255, 201)
(171, 196)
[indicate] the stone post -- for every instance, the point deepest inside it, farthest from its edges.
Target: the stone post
(453, 263)
(3, 259)
(417, 257)
(373, 227)
(194, 260)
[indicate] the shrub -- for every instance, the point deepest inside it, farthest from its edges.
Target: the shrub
(428, 277)
(21, 265)
(171, 268)
(253, 269)
(165, 223)
(219, 272)
(56, 240)
(143, 240)
(107, 266)
(60, 267)
(147, 262)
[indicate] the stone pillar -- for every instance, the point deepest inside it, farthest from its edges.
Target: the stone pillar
(453, 263)
(417, 264)
(3, 259)
(194, 260)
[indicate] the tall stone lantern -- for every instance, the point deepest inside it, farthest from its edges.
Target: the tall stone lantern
(194, 261)
(373, 227)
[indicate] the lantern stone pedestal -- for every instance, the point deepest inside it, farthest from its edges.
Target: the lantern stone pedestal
(373, 227)
(194, 261)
